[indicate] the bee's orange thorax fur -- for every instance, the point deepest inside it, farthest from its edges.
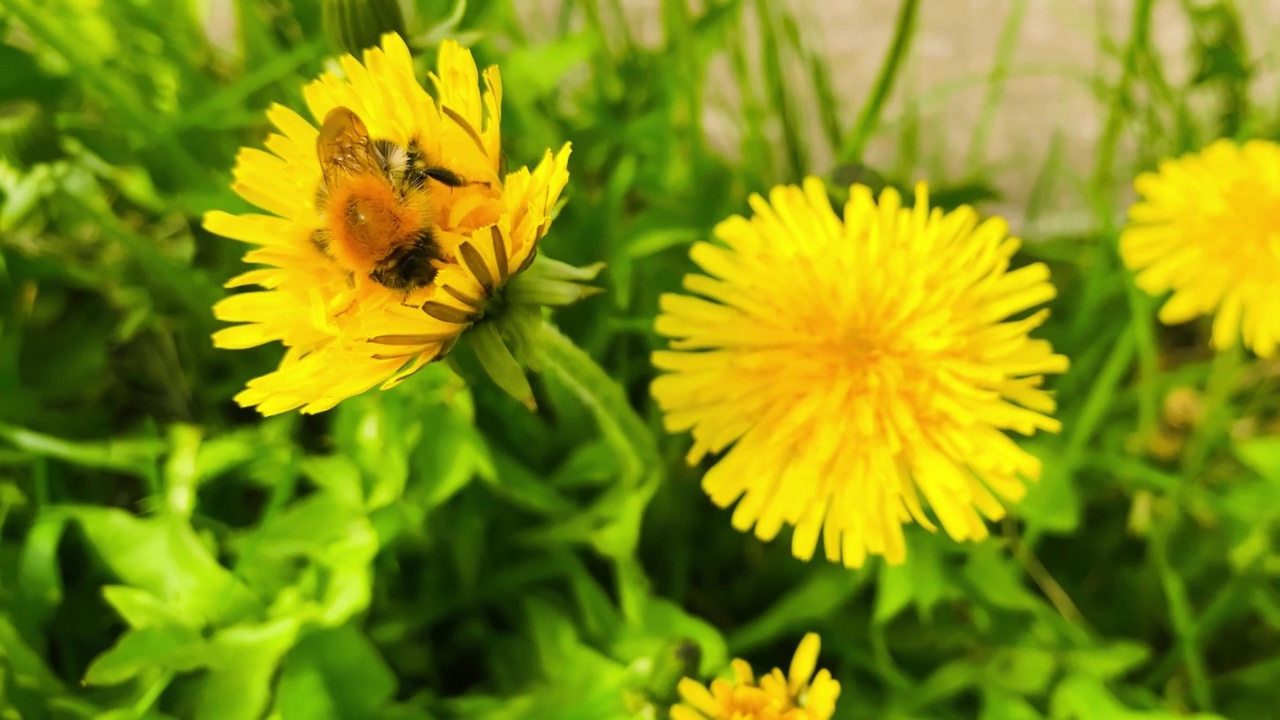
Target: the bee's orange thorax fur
(367, 219)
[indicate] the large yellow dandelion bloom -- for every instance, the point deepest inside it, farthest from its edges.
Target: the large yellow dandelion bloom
(856, 364)
(798, 695)
(343, 333)
(1208, 228)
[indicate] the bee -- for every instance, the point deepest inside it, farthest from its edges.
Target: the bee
(380, 215)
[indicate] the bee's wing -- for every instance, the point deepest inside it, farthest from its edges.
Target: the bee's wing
(343, 143)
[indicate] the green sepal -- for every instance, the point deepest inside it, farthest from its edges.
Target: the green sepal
(552, 283)
(498, 362)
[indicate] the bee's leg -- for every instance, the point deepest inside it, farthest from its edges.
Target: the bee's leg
(320, 239)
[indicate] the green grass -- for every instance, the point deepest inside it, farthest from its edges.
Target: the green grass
(439, 551)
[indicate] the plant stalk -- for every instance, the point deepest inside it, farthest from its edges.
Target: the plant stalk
(903, 33)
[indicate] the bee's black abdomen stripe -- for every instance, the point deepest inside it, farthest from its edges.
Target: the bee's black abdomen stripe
(409, 267)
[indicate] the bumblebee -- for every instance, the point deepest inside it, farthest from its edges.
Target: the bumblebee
(376, 196)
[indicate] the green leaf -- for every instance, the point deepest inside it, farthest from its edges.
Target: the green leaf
(1001, 705)
(1108, 662)
(1053, 503)
(1023, 670)
(1083, 697)
(39, 576)
(22, 198)
(997, 580)
(626, 433)
(654, 623)
(330, 533)
(827, 588)
(308, 527)
(163, 556)
(580, 682)
(375, 435)
(893, 592)
(24, 662)
(338, 476)
(242, 662)
(469, 535)
(335, 673)
(553, 634)
(619, 534)
(303, 693)
(1262, 455)
(450, 458)
(173, 648)
(218, 455)
(517, 484)
(928, 578)
(135, 457)
(139, 608)
(596, 607)
(947, 681)
(588, 465)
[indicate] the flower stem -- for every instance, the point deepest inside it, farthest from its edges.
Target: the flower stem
(1104, 169)
(870, 116)
(1182, 616)
(1148, 362)
(1217, 399)
(1099, 400)
(995, 86)
(627, 435)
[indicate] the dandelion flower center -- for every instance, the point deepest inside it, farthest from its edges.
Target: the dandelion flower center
(846, 366)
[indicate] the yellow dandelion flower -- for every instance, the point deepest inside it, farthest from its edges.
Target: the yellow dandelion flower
(347, 329)
(1208, 228)
(798, 695)
(855, 364)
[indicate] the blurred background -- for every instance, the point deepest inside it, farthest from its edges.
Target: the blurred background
(439, 551)
(992, 89)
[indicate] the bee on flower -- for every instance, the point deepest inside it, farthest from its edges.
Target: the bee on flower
(389, 232)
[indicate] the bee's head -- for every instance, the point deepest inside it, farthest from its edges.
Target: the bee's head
(392, 159)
